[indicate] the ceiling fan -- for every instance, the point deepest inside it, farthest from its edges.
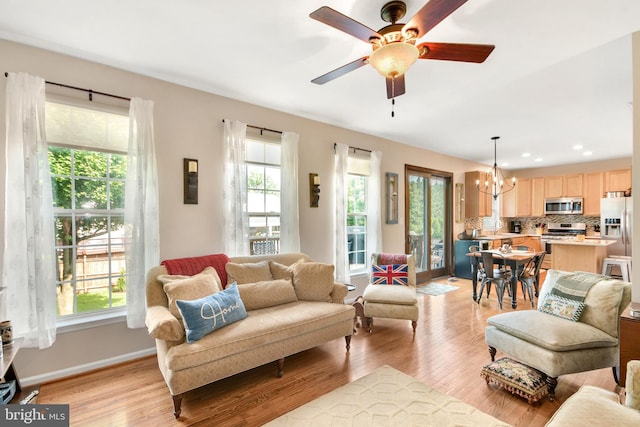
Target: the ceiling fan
(393, 46)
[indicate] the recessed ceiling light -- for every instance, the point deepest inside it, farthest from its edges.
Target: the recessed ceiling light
(587, 153)
(577, 147)
(526, 154)
(538, 159)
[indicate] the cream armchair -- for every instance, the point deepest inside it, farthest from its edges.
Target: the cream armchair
(392, 301)
(558, 346)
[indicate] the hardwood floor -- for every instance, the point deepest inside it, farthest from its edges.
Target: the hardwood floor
(447, 353)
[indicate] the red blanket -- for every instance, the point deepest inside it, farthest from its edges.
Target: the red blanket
(195, 265)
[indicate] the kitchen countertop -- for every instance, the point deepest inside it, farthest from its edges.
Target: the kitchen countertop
(585, 242)
(500, 236)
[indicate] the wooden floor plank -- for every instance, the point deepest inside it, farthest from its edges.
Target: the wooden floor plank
(447, 353)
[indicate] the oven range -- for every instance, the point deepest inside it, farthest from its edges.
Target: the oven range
(564, 231)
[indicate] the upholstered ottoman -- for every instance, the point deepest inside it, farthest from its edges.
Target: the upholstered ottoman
(516, 378)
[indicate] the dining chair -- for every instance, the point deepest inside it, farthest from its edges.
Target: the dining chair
(500, 276)
(477, 268)
(528, 276)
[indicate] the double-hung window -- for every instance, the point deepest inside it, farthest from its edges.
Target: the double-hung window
(88, 161)
(263, 195)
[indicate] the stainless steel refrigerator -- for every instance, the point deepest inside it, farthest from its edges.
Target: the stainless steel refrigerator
(616, 220)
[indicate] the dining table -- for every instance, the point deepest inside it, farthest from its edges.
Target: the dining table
(515, 259)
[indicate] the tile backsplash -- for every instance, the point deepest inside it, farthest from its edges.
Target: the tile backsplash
(528, 223)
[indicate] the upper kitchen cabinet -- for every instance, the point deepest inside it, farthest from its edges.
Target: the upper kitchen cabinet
(563, 186)
(518, 202)
(618, 180)
(523, 197)
(537, 197)
(476, 203)
(593, 192)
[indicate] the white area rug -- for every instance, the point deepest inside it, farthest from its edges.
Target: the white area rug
(435, 288)
(386, 397)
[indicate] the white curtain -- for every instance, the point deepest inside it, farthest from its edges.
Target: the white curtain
(236, 220)
(289, 215)
(374, 206)
(29, 264)
(340, 182)
(141, 209)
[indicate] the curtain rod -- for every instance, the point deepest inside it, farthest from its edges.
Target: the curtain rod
(261, 129)
(353, 148)
(90, 91)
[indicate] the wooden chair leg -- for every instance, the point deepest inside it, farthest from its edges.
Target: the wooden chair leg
(347, 339)
(414, 325)
(177, 403)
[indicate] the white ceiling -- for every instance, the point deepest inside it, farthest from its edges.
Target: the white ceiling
(560, 74)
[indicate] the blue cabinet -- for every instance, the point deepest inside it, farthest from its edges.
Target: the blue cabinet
(462, 263)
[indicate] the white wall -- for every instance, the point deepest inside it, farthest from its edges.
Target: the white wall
(635, 274)
(188, 123)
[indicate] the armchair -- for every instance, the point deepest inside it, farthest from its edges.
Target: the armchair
(558, 346)
(392, 301)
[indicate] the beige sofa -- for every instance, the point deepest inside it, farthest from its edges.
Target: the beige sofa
(293, 307)
(557, 346)
(593, 406)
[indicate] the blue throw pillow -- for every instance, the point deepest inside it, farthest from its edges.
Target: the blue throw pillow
(205, 315)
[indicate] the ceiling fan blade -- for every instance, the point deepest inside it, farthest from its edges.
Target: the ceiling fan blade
(432, 14)
(335, 19)
(457, 51)
(340, 71)
(395, 86)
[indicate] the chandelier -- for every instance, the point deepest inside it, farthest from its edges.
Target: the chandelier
(494, 184)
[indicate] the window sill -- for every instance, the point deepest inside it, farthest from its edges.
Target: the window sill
(90, 321)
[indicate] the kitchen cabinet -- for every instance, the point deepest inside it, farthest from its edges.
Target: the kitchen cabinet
(563, 186)
(578, 256)
(593, 192)
(529, 241)
(617, 180)
(508, 203)
(476, 203)
(523, 197)
(537, 197)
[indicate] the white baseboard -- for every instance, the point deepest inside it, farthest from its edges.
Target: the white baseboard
(80, 369)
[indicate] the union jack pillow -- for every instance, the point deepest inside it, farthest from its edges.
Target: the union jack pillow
(393, 274)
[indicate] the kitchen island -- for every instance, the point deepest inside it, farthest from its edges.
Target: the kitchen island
(575, 255)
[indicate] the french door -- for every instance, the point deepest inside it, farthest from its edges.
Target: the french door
(429, 220)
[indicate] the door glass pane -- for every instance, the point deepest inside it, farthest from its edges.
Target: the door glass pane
(438, 219)
(417, 220)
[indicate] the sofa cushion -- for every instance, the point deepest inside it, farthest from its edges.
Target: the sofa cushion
(189, 287)
(562, 307)
(281, 271)
(550, 332)
(266, 325)
(205, 315)
(249, 272)
(313, 281)
(267, 293)
(403, 295)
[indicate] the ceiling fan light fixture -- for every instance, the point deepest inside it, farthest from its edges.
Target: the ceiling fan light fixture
(394, 59)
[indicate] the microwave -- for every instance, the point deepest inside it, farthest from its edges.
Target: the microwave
(564, 205)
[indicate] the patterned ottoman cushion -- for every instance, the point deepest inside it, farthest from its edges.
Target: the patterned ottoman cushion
(517, 378)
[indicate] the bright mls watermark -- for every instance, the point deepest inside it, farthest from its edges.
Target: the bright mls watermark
(34, 415)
